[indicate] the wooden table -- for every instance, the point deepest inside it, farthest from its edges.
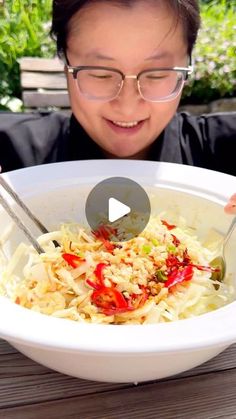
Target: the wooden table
(31, 391)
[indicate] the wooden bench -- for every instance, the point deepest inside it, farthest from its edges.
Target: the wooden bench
(43, 84)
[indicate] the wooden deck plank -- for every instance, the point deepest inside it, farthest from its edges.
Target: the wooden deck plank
(208, 396)
(19, 376)
(6, 348)
(50, 387)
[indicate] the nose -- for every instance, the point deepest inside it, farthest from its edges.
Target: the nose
(129, 95)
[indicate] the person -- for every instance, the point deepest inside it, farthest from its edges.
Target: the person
(126, 63)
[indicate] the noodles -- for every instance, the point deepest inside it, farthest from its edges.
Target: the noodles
(162, 275)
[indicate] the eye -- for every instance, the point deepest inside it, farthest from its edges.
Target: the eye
(156, 76)
(100, 75)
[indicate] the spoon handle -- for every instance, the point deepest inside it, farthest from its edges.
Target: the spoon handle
(18, 200)
(21, 225)
(27, 211)
(230, 230)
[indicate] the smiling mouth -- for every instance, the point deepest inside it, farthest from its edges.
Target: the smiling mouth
(122, 124)
(126, 124)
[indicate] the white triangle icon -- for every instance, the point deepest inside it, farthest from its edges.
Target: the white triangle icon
(116, 209)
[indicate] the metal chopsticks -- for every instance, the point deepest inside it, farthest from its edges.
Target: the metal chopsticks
(17, 220)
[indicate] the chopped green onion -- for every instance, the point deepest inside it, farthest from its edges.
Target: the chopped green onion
(161, 276)
(146, 249)
(171, 248)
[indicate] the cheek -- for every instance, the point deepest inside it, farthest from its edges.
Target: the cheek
(81, 107)
(161, 113)
(73, 91)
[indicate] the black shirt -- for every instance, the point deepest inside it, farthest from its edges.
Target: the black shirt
(29, 139)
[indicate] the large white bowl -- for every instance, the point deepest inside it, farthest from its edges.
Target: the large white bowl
(132, 353)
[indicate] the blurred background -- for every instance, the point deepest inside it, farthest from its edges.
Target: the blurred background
(24, 31)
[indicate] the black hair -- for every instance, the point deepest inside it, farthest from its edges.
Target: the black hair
(186, 11)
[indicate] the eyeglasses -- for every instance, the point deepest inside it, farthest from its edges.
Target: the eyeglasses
(154, 85)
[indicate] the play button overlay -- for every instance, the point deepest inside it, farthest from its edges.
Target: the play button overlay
(117, 210)
(120, 204)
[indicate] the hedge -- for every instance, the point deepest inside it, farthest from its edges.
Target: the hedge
(24, 31)
(214, 54)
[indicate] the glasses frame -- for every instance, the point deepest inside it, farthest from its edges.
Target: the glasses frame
(186, 71)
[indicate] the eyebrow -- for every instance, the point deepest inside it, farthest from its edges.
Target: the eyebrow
(99, 56)
(159, 56)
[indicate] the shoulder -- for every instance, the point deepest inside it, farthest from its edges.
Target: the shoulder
(215, 124)
(27, 139)
(10, 121)
(208, 140)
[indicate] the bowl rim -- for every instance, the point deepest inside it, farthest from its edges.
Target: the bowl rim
(35, 329)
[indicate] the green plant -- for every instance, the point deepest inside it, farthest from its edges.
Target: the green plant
(24, 31)
(215, 54)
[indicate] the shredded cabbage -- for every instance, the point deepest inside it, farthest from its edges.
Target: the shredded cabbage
(92, 278)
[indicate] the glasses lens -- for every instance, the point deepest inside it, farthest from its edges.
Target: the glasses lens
(98, 83)
(160, 84)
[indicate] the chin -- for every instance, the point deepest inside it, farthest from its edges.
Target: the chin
(124, 155)
(135, 156)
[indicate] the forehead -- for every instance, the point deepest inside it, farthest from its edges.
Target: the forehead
(113, 31)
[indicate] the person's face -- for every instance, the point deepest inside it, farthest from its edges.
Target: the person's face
(131, 40)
